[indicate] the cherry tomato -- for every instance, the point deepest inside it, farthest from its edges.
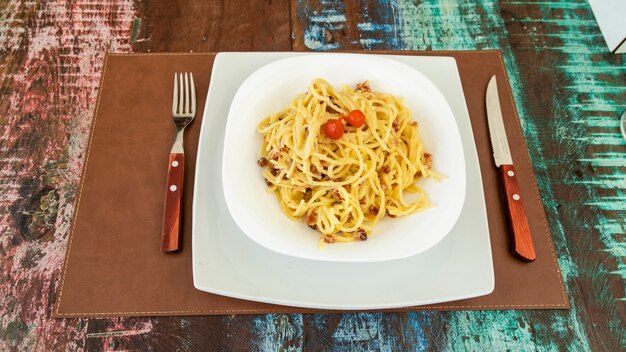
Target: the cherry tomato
(334, 128)
(356, 118)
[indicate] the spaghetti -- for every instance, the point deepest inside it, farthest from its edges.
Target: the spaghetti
(342, 184)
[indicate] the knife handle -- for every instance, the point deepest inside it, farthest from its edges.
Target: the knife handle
(170, 237)
(516, 213)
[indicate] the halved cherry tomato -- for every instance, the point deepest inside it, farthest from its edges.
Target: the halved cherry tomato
(334, 128)
(356, 118)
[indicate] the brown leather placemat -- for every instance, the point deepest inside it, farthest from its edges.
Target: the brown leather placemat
(113, 265)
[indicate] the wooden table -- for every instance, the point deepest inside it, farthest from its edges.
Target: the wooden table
(569, 90)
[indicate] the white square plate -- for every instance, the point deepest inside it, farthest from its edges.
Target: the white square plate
(273, 87)
(227, 262)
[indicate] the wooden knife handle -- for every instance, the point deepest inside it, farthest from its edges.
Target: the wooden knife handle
(522, 241)
(170, 238)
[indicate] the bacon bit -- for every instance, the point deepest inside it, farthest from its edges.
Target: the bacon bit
(274, 172)
(284, 149)
(363, 87)
(386, 169)
(414, 123)
(311, 217)
(337, 194)
(306, 194)
(396, 125)
(384, 187)
(329, 108)
(329, 239)
(313, 169)
(374, 210)
(314, 227)
(262, 162)
(323, 162)
(361, 234)
(418, 173)
(364, 128)
(268, 183)
(274, 156)
(428, 160)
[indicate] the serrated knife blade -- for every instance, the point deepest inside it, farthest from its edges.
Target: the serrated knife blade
(497, 133)
(521, 238)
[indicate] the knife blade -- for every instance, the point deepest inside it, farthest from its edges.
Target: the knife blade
(522, 242)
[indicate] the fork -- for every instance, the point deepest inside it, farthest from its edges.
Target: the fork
(183, 112)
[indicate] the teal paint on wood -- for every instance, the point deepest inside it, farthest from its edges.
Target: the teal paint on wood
(445, 25)
(583, 94)
(460, 31)
(600, 141)
(135, 30)
(416, 332)
(278, 332)
(318, 26)
(501, 332)
(364, 332)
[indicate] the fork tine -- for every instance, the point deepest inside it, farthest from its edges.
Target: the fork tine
(186, 93)
(175, 99)
(181, 95)
(193, 95)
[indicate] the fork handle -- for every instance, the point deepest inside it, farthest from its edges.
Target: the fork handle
(170, 238)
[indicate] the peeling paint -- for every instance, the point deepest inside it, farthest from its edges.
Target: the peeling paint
(279, 332)
(50, 62)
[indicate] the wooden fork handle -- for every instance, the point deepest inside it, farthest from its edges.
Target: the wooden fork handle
(170, 238)
(522, 242)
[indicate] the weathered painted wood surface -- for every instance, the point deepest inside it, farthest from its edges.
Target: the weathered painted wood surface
(569, 92)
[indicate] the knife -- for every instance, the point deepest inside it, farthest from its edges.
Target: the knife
(522, 242)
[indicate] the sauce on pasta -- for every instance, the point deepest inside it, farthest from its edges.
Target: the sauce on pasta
(342, 184)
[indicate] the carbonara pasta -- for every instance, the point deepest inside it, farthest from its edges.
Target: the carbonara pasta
(340, 160)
